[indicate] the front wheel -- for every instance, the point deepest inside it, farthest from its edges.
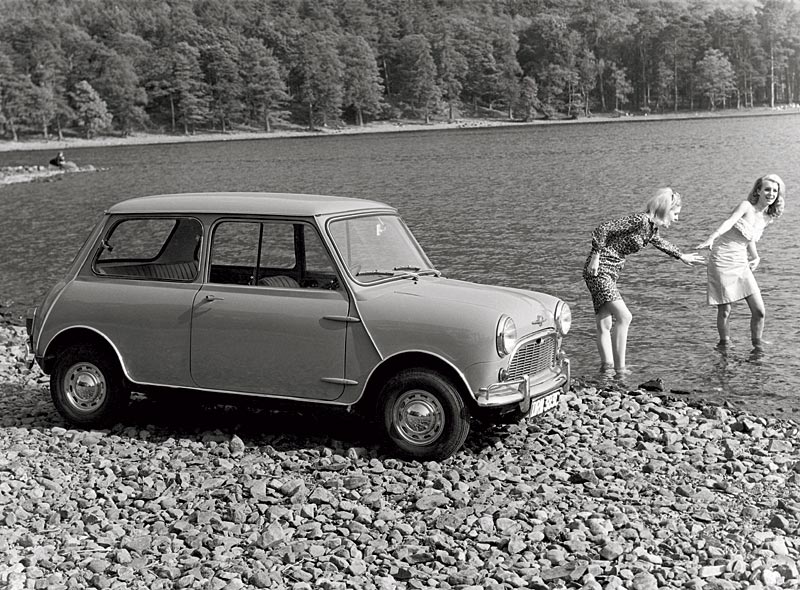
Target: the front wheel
(424, 416)
(87, 387)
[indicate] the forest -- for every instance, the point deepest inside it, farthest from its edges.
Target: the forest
(92, 67)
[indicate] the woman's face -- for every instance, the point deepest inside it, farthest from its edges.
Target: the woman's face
(672, 216)
(769, 192)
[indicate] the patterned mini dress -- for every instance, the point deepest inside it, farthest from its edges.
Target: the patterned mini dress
(614, 240)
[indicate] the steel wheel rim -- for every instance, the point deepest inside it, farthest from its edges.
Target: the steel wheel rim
(85, 387)
(419, 417)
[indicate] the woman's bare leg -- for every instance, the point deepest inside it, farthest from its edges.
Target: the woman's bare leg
(758, 314)
(603, 321)
(723, 327)
(621, 318)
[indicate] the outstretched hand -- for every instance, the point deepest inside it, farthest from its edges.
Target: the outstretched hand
(707, 244)
(692, 259)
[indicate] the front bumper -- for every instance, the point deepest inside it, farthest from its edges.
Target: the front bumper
(525, 390)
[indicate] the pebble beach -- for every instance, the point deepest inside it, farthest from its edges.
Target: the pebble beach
(613, 489)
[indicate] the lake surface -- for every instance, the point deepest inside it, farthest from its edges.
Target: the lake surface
(512, 206)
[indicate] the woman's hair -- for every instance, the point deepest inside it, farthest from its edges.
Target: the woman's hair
(661, 203)
(776, 209)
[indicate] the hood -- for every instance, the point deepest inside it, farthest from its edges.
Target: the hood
(441, 300)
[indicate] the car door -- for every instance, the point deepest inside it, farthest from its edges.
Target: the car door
(267, 320)
(138, 292)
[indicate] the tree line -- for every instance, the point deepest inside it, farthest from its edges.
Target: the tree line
(179, 66)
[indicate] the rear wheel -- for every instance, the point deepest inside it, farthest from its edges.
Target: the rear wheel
(87, 387)
(423, 414)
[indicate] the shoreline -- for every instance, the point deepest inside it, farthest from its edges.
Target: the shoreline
(377, 127)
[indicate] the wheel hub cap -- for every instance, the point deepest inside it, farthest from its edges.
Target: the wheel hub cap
(419, 417)
(85, 387)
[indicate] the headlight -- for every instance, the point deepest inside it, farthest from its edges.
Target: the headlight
(563, 318)
(506, 335)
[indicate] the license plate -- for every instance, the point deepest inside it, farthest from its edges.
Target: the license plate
(543, 404)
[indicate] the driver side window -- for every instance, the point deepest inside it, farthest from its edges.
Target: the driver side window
(270, 254)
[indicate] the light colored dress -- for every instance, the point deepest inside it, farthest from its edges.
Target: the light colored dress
(729, 276)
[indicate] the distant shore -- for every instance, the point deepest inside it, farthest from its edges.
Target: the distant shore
(375, 127)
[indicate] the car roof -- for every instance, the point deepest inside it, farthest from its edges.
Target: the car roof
(246, 203)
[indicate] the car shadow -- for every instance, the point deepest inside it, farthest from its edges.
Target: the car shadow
(282, 427)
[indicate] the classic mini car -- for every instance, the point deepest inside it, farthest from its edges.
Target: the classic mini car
(306, 298)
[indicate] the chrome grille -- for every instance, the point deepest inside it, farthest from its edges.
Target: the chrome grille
(532, 357)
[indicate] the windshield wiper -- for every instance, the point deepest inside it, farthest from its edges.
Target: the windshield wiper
(420, 271)
(369, 273)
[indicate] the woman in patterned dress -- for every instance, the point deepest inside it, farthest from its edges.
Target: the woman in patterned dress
(734, 257)
(612, 241)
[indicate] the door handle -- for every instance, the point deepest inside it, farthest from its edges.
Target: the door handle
(214, 298)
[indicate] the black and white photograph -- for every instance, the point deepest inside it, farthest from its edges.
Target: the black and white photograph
(399, 294)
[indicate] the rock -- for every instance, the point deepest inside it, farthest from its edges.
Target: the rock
(656, 384)
(613, 489)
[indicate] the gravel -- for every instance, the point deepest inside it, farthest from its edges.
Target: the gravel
(615, 488)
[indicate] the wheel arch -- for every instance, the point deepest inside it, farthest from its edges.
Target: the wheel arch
(75, 337)
(392, 365)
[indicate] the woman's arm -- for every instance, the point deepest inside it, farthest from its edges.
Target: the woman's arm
(672, 250)
(752, 254)
(726, 225)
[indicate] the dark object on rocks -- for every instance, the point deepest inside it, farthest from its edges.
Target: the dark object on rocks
(656, 384)
(58, 161)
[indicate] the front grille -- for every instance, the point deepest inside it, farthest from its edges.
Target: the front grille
(532, 357)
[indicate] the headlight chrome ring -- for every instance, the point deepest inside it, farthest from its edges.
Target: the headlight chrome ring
(563, 318)
(506, 337)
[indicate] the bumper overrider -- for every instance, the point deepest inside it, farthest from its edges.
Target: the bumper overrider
(527, 390)
(30, 318)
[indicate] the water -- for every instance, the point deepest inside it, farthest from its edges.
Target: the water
(510, 206)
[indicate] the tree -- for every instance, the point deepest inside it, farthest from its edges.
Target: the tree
(588, 74)
(417, 75)
(361, 79)
(716, 77)
(126, 98)
(264, 88)
(529, 98)
(322, 73)
(90, 109)
(16, 96)
(219, 59)
(452, 67)
(509, 71)
(187, 88)
(622, 86)
(779, 22)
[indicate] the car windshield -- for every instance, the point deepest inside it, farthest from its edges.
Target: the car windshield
(377, 247)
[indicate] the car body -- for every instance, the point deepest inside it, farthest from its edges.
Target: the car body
(307, 298)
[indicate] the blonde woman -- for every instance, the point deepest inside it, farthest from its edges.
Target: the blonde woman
(734, 257)
(612, 241)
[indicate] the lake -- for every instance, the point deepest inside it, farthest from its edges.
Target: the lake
(512, 206)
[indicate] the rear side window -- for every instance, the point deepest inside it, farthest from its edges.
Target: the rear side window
(163, 249)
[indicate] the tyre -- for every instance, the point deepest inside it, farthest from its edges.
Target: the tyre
(87, 387)
(423, 415)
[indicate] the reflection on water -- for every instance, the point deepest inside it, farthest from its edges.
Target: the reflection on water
(512, 206)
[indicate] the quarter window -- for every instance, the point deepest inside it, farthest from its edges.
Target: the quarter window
(163, 249)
